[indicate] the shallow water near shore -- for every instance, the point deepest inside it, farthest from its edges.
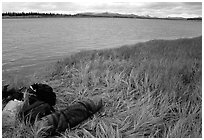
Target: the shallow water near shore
(28, 44)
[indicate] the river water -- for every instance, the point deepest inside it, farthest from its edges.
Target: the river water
(33, 42)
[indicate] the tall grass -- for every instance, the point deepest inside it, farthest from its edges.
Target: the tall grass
(150, 89)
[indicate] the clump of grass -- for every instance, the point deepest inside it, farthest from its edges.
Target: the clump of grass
(150, 89)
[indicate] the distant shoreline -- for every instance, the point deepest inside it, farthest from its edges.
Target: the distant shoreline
(198, 20)
(29, 17)
(88, 15)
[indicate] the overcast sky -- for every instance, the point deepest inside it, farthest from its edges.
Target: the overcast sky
(159, 9)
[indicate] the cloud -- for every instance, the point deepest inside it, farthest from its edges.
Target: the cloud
(39, 6)
(160, 9)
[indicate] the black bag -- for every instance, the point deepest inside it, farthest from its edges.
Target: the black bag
(43, 93)
(11, 94)
(38, 103)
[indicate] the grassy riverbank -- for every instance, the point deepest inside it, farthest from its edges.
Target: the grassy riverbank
(151, 89)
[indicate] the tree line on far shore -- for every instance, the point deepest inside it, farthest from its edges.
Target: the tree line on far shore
(30, 14)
